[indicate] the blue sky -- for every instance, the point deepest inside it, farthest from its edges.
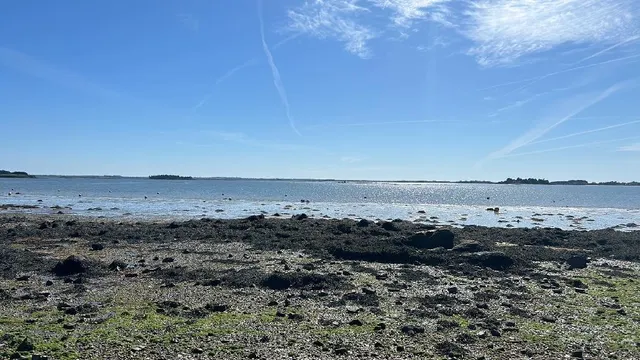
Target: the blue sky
(364, 89)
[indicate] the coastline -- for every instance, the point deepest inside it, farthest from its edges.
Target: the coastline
(317, 288)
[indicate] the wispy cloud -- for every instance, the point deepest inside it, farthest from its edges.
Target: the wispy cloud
(591, 144)
(37, 68)
(552, 122)
(380, 123)
(501, 31)
(277, 81)
(585, 132)
(334, 19)
(603, 51)
(531, 80)
(251, 62)
(406, 12)
(505, 30)
(632, 147)
(516, 104)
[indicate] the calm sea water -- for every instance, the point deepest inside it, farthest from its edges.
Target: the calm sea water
(595, 206)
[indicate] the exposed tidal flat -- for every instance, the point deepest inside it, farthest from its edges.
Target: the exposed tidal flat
(76, 287)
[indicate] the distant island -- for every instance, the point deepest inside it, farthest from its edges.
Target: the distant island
(170, 177)
(14, 174)
(532, 181)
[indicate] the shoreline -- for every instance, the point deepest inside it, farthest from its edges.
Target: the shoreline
(313, 288)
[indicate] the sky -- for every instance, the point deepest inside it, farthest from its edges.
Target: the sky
(346, 89)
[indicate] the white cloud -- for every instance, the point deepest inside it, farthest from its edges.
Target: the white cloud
(405, 12)
(501, 31)
(632, 147)
(505, 30)
(337, 19)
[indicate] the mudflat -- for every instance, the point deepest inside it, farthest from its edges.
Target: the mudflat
(301, 288)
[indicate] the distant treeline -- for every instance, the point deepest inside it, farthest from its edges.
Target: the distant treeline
(533, 181)
(14, 174)
(170, 177)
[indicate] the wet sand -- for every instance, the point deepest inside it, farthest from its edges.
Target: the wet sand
(304, 288)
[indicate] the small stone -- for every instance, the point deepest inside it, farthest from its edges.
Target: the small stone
(356, 322)
(68, 326)
(577, 354)
(621, 312)
(412, 330)
(280, 314)
(295, 317)
(23, 278)
(197, 351)
(26, 345)
(168, 260)
(380, 327)
(341, 351)
(272, 303)
(97, 247)
(452, 290)
(378, 345)
(549, 319)
(495, 332)
(48, 283)
(510, 324)
(399, 348)
(318, 343)
(265, 339)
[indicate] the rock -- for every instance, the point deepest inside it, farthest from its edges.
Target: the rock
(389, 226)
(469, 246)
(48, 283)
(217, 307)
(432, 239)
(256, 217)
(300, 216)
(577, 262)
(577, 354)
(380, 327)
(168, 260)
(548, 318)
(26, 345)
(69, 266)
(368, 291)
(412, 330)
(295, 317)
(197, 351)
(492, 259)
(341, 351)
(117, 265)
(69, 326)
(363, 223)
(356, 322)
(452, 290)
(97, 247)
(351, 309)
(23, 278)
(495, 332)
(130, 275)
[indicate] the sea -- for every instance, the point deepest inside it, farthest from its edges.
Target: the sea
(559, 206)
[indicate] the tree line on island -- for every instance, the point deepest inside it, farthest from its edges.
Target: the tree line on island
(170, 177)
(14, 174)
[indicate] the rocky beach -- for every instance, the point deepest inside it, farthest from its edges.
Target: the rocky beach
(302, 288)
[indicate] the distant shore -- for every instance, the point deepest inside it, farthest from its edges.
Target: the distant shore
(15, 174)
(509, 181)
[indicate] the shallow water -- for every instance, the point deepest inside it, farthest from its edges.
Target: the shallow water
(569, 207)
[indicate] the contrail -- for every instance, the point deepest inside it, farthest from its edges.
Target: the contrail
(380, 123)
(535, 133)
(222, 78)
(535, 79)
(230, 73)
(277, 81)
(585, 132)
(570, 147)
(631, 39)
